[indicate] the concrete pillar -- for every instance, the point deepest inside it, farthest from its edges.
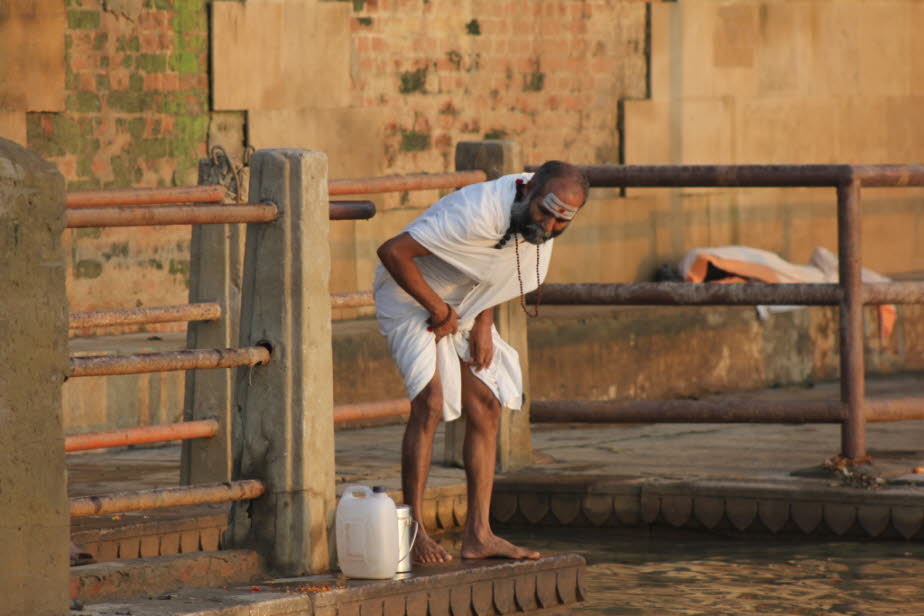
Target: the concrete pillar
(284, 430)
(33, 361)
(514, 445)
(214, 276)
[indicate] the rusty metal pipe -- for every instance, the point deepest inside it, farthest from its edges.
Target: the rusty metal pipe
(687, 411)
(850, 326)
(740, 410)
(204, 428)
(894, 409)
(682, 176)
(357, 299)
(686, 293)
(201, 359)
(352, 210)
(365, 411)
(170, 215)
(889, 175)
(145, 196)
(397, 183)
(163, 498)
(732, 294)
(205, 311)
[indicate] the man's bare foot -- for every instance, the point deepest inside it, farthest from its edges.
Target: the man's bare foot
(426, 551)
(495, 547)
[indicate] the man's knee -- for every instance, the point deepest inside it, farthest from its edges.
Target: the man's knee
(483, 410)
(427, 407)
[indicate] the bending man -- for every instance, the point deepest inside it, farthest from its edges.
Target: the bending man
(435, 293)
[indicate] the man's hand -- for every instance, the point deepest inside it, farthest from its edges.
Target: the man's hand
(480, 344)
(443, 324)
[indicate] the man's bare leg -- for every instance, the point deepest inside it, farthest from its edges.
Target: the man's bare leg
(416, 455)
(479, 453)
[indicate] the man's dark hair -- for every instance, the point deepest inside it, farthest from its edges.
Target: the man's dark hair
(552, 169)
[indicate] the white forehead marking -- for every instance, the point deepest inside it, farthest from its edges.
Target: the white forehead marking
(558, 208)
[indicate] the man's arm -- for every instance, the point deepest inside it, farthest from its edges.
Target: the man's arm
(480, 342)
(397, 256)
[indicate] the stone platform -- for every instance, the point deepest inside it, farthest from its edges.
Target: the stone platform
(470, 588)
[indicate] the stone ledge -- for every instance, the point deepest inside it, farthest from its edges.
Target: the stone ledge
(782, 506)
(472, 588)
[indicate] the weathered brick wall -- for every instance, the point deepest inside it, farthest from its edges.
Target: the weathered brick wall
(136, 114)
(548, 74)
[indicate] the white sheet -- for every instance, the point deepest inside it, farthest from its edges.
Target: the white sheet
(471, 275)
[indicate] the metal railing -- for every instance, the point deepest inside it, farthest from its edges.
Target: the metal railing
(850, 294)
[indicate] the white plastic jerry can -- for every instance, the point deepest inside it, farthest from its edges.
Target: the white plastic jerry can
(367, 533)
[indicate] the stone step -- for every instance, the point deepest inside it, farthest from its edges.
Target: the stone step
(550, 585)
(157, 577)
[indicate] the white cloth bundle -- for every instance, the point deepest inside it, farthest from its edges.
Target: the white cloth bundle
(471, 275)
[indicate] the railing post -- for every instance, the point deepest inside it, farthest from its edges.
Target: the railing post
(214, 276)
(284, 431)
(514, 444)
(853, 387)
(33, 361)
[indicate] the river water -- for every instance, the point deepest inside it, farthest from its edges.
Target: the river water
(691, 573)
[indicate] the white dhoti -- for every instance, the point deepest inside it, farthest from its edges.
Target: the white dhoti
(470, 275)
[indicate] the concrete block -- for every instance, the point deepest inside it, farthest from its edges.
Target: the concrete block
(647, 131)
(170, 544)
(784, 130)
(444, 512)
(839, 516)
(33, 360)
(13, 126)
(533, 505)
(280, 54)
(438, 602)
(289, 402)
(129, 548)
(741, 512)
(676, 509)
(907, 520)
(708, 132)
(874, 519)
(482, 598)
(665, 17)
(565, 507)
(525, 592)
(416, 603)
(189, 541)
(807, 515)
(149, 546)
(352, 138)
(696, 36)
(32, 48)
(884, 36)
(460, 600)
(546, 591)
(214, 276)
(598, 508)
(393, 606)
(773, 514)
(916, 55)
(708, 510)
(567, 585)
(835, 49)
(371, 607)
(504, 592)
(782, 58)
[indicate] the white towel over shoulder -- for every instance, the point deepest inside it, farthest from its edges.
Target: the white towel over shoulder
(460, 230)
